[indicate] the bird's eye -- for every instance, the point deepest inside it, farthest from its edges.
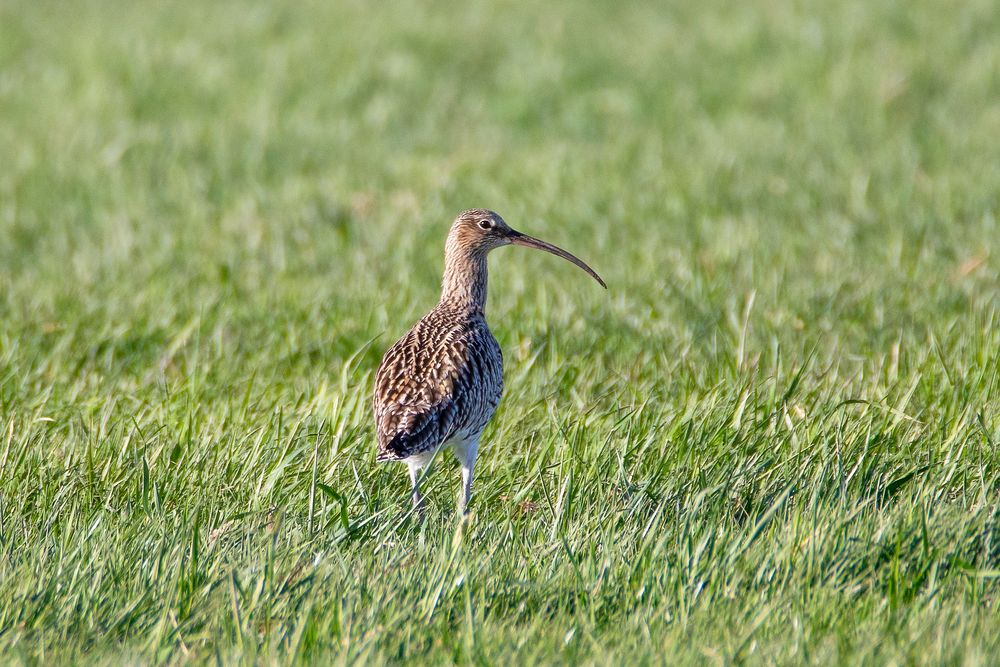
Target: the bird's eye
(485, 224)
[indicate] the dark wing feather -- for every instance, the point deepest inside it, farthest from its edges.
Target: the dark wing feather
(415, 403)
(443, 378)
(415, 431)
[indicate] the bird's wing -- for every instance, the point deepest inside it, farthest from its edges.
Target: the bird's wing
(415, 406)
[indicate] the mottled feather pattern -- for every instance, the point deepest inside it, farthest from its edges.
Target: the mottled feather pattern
(444, 378)
(440, 384)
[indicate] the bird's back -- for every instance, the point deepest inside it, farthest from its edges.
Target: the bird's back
(442, 379)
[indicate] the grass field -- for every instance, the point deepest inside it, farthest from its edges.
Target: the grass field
(774, 439)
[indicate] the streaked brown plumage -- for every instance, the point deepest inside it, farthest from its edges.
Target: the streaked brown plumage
(441, 382)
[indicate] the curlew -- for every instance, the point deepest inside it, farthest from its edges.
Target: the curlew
(440, 383)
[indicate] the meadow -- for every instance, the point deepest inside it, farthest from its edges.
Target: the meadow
(773, 440)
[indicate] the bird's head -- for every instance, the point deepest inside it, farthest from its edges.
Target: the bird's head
(480, 231)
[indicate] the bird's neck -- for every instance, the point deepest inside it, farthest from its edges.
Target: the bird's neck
(464, 283)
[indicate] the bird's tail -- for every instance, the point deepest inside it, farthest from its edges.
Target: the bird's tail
(384, 457)
(391, 451)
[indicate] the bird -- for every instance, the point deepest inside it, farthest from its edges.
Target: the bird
(440, 384)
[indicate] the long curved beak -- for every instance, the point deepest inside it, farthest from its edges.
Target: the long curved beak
(517, 238)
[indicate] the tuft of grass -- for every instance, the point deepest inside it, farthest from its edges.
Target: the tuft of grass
(773, 440)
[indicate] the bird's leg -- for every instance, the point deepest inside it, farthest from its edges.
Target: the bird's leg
(418, 501)
(466, 487)
(466, 455)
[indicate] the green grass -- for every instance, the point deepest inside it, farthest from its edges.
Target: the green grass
(774, 439)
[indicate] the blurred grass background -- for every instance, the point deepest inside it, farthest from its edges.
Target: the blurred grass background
(773, 439)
